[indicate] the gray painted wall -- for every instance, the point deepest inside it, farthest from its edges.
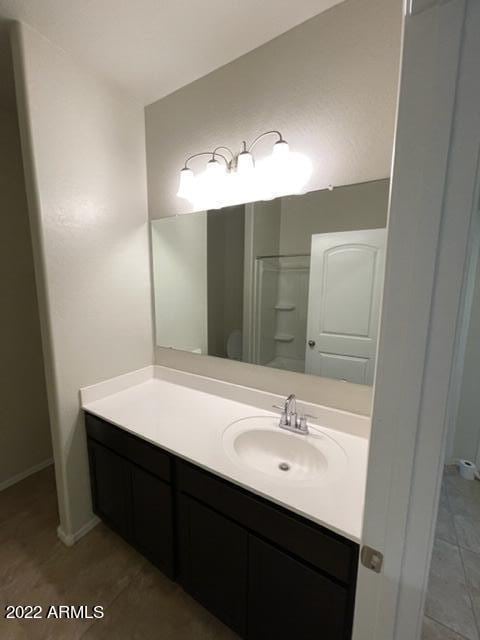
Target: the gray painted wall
(225, 257)
(359, 206)
(330, 86)
(25, 440)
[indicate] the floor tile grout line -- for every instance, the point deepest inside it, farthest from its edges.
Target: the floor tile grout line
(444, 626)
(469, 591)
(468, 498)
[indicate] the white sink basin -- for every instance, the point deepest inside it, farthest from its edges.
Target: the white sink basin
(259, 444)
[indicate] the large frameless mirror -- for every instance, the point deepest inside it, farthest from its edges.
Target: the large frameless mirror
(292, 283)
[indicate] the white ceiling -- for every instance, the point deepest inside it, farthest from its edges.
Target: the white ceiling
(153, 47)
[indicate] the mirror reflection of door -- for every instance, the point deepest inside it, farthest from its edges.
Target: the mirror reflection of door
(346, 276)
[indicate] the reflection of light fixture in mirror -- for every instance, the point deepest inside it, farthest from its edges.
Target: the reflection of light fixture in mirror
(241, 179)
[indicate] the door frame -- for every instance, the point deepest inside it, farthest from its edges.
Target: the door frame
(463, 325)
(434, 191)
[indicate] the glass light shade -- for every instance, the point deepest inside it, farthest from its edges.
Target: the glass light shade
(186, 184)
(215, 169)
(281, 150)
(210, 186)
(245, 162)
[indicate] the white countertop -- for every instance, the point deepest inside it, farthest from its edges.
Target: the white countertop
(169, 409)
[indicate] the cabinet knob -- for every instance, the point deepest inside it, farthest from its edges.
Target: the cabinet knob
(311, 343)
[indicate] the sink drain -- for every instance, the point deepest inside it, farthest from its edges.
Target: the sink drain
(284, 466)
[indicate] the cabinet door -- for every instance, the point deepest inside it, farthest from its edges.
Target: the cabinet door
(152, 523)
(110, 486)
(287, 599)
(214, 562)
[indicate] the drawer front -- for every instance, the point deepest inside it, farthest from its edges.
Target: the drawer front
(135, 449)
(324, 551)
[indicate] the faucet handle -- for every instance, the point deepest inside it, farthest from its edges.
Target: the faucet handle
(283, 415)
(302, 421)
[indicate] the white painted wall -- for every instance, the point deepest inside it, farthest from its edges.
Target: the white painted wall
(84, 151)
(330, 86)
(467, 428)
(179, 256)
(25, 439)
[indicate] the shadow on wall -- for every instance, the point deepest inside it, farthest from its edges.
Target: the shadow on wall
(26, 441)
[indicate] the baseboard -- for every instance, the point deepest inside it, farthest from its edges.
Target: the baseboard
(24, 474)
(69, 539)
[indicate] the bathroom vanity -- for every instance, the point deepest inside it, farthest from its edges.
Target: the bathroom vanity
(269, 554)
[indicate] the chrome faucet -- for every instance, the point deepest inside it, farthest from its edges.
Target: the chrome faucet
(289, 418)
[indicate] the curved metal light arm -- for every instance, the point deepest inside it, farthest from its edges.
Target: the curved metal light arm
(205, 153)
(262, 135)
(230, 163)
(225, 149)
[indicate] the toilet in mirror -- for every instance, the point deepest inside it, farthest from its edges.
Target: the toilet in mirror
(292, 283)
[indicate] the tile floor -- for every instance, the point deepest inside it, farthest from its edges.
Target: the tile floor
(453, 599)
(35, 568)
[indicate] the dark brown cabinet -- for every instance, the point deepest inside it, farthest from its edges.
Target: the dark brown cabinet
(214, 562)
(264, 571)
(288, 599)
(151, 518)
(110, 487)
(136, 501)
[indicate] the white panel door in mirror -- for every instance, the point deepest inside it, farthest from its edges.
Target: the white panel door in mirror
(346, 274)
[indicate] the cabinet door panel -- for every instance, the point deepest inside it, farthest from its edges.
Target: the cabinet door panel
(215, 562)
(287, 599)
(110, 487)
(152, 526)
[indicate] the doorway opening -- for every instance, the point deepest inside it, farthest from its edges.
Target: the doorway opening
(453, 595)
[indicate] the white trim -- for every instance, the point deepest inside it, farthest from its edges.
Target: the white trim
(69, 539)
(460, 205)
(463, 325)
(431, 52)
(24, 474)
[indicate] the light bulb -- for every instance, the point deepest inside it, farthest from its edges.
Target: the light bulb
(186, 184)
(245, 162)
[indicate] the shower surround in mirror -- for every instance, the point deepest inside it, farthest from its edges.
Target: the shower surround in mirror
(292, 283)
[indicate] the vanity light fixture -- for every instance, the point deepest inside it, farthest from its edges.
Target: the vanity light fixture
(240, 178)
